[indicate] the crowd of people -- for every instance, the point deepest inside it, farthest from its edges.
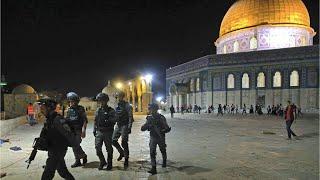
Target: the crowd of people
(277, 110)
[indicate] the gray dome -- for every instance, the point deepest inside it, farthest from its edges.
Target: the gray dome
(23, 89)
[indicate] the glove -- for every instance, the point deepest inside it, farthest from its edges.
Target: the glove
(129, 131)
(94, 133)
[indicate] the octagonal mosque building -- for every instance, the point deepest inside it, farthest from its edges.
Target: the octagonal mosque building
(265, 55)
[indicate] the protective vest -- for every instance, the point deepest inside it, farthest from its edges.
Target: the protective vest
(30, 109)
(74, 117)
(104, 118)
(122, 113)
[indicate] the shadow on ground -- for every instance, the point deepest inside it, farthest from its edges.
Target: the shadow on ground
(144, 165)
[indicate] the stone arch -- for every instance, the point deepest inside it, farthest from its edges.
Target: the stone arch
(236, 46)
(253, 43)
(277, 79)
(261, 80)
(245, 80)
(173, 90)
(294, 78)
(230, 81)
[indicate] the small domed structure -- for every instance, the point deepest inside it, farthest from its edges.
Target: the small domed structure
(23, 89)
(111, 92)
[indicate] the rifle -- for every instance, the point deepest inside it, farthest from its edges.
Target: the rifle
(156, 129)
(39, 143)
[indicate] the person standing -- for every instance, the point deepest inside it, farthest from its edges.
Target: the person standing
(77, 118)
(220, 110)
(172, 111)
(289, 118)
(244, 109)
(157, 125)
(123, 128)
(30, 114)
(104, 121)
(56, 140)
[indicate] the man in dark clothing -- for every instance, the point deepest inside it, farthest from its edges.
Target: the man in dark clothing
(157, 125)
(172, 111)
(77, 118)
(56, 139)
(220, 110)
(289, 117)
(104, 121)
(123, 128)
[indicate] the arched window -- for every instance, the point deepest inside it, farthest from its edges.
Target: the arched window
(192, 85)
(236, 46)
(292, 41)
(261, 80)
(230, 84)
(253, 43)
(303, 41)
(245, 80)
(277, 79)
(224, 49)
(294, 78)
(198, 84)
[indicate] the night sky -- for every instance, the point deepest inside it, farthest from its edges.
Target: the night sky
(72, 45)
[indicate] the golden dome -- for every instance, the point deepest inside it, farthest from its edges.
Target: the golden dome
(248, 13)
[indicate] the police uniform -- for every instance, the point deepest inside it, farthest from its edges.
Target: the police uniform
(57, 145)
(123, 129)
(103, 129)
(76, 116)
(157, 125)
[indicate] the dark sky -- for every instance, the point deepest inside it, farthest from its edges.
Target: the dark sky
(73, 45)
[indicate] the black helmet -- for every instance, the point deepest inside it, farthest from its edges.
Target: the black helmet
(50, 103)
(153, 106)
(72, 96)
(102, 97)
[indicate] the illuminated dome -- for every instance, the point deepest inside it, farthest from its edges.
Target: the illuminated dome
(23, 89)
(111, 92)
(264, 24)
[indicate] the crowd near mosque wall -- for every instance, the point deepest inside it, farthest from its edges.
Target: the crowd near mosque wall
(268, 77)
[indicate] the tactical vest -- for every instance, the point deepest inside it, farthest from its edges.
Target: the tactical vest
(103, 119)
(74, 118)
(122, 113)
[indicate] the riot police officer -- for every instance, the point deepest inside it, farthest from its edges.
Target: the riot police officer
(77, 118)
(56, 141)
(104, 121)
(123, 127)
(157, 125)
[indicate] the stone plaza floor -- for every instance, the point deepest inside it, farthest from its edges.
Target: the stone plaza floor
(199, 147)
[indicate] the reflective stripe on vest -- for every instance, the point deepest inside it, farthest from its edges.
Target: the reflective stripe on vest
(30, 110)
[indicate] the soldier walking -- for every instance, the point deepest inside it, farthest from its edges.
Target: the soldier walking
(123, 128)
(57, 142)
(77, 118)
(157, 125)
(104, 121)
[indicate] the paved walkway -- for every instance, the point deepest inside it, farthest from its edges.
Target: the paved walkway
(199, 147)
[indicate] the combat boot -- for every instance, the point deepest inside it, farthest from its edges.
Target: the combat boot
(76, 164)
(120, 156)
(84, 160)
(153, 170)
(101, 165)
(109, 165)
(126, 163)
(164, 163)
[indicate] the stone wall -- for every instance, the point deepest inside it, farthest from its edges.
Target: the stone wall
(16, 105)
